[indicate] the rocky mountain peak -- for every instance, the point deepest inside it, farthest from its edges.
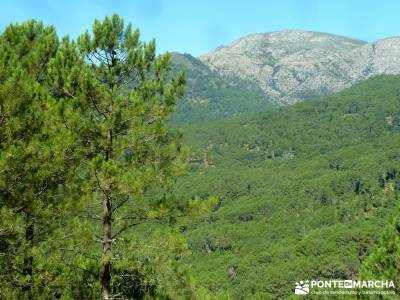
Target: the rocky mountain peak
(293, 65)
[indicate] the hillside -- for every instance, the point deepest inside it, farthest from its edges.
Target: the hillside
(303, 190)
(210, 96)
(294, 65)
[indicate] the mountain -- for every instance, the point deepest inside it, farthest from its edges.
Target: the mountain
(294, 65)
(304, 190)
(210, 96)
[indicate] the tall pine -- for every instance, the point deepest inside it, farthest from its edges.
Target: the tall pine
(35, 157)
(128, 94)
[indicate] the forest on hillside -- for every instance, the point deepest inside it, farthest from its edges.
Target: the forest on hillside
(304, 191)
(106, 193)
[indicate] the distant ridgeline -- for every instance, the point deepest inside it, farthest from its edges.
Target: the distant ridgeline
(279, 68)
(304, 190)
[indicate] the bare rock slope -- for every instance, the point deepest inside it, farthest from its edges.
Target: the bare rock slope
(294, 65)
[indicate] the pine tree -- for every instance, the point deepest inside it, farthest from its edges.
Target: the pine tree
(384, 261)
(128, 94)
(24, 51)
(35, 156)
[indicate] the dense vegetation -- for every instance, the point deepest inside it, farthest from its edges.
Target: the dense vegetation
(92, 198)
(210, 96)
(304, 191)
(85, 156)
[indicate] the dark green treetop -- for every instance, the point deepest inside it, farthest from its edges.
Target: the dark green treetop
(35, 156)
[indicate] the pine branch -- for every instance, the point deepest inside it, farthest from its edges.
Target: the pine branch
(129, 226)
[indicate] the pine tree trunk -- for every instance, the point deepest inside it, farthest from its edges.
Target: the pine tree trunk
(28, 258)
(106, 276)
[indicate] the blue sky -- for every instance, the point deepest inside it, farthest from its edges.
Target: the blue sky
(199, 26)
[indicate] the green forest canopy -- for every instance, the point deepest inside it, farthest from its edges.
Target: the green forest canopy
(304, 191)
(91, 203)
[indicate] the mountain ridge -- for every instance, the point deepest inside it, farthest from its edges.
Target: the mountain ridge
(294, 65)
(285, 31)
